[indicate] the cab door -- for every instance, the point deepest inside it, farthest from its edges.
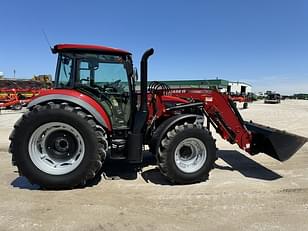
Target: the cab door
(108, 76)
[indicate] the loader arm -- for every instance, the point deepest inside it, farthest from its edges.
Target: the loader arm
(223, 115)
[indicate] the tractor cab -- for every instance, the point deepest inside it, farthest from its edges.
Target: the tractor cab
(103, 73)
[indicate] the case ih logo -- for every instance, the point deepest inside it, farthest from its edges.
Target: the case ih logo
(179, 91)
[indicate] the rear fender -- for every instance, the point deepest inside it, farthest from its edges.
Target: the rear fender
(169, 123)
(83, 101)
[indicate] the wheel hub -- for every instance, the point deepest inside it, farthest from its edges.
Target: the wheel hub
(190, 155)
(61, 144)
(186, 152)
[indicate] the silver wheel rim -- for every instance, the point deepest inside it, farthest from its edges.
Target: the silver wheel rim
(190, 155)
(57, 156)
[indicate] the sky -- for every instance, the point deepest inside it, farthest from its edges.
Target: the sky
(261, 42)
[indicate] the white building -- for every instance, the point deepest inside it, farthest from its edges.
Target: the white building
(238, 88)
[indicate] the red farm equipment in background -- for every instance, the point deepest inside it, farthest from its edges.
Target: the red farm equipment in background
(95, 111)
(15, 99)
(241, 98)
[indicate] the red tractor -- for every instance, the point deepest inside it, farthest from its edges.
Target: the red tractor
(95, 111)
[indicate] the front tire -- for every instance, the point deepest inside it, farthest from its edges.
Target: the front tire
(187, 154)
(58, 146)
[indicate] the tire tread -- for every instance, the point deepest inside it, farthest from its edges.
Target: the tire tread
(95, 164)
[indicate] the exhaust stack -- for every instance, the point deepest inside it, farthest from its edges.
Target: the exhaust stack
(144, 78)
(136, 136)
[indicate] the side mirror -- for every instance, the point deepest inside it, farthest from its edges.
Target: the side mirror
(93, 65)
(66, 60)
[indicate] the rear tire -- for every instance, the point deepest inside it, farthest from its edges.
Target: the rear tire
(58, 146)
(187, 154)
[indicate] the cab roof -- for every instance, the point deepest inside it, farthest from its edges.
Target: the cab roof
(88, 48)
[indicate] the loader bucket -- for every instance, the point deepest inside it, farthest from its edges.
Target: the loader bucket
(278, 144)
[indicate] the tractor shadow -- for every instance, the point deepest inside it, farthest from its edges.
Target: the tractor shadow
(121, 170)
(111, 170)
(236, 162)
(244, 165)
(22, 182)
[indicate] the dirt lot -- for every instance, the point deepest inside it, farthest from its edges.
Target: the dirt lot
(242, 193)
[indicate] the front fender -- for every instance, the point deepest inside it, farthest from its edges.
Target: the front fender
(165, 126)
(77, 98)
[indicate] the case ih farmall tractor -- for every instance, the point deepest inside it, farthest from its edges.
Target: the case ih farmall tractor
(95, 110)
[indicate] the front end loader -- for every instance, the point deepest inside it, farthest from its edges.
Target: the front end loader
(95, 111)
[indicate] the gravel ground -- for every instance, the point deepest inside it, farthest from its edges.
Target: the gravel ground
(242, 193)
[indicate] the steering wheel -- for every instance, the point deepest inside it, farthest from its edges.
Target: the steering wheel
(101, 91)
(113, 87)
(116, 82)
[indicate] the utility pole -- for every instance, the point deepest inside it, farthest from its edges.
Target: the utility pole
(14, 73)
